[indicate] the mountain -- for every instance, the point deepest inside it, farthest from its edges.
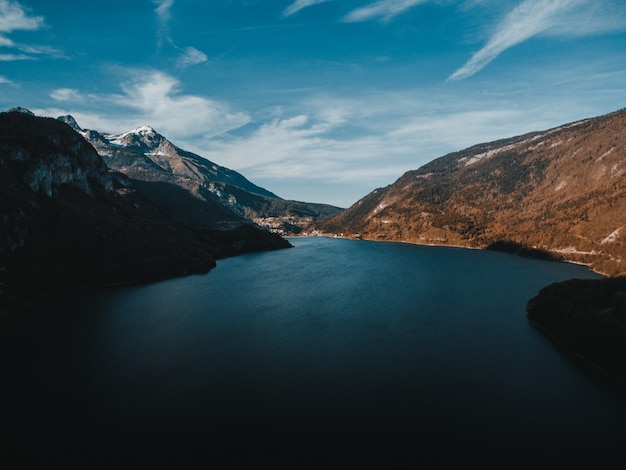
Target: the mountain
(194, 190)
(561, 192)
(67, 220)
(587, 319)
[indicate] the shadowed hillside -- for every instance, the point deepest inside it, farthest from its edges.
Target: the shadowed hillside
(67, 221)
(587, 318)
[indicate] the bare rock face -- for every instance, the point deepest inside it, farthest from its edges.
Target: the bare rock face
(67, 220)
(47, 154)
(562, 191)
(70, 121)
(224, 198)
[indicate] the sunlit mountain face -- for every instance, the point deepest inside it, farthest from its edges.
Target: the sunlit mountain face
(562, 191)
(316, 100)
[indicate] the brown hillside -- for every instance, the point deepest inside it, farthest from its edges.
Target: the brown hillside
(562, 190)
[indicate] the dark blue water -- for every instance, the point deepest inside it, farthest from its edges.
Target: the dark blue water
(371, 349)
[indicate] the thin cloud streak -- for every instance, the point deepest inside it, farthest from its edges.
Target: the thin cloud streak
(188, 56)
(299, 5)
(549, 17)
(384, 9)
(12, 57)
(163, 10)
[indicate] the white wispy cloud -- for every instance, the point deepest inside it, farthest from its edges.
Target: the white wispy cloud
(12, 57)
(371, 139)
(67, 94)
(299, 5)
(306, 147)
(158, 100)
(383, 9)
(186, 56)
(15, 17)
(163, 12)
(152, 98)
(191, 56)
(545, 17)
(4, 80)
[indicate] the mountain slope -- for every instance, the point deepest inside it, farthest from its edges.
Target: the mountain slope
(587, 319)
(562, 190)
(148, 157)
(66, 220)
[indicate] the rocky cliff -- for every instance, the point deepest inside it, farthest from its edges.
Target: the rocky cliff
(67, 220)
(195, 190)
(561, 191)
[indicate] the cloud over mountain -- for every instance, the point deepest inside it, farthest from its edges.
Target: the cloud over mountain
(150, 97)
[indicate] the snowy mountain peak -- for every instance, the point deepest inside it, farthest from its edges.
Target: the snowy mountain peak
(143, 139)
(142, 130)
(19, 109)
(70, 121)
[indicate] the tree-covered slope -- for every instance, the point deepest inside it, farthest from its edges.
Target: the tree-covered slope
(561, 191)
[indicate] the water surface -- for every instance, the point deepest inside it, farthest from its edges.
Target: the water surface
(424, 351)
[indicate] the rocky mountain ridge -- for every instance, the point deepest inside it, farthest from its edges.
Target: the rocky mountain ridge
(562, 191)
(223, 198)
(67, 220)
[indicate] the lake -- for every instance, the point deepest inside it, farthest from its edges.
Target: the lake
(332, 351)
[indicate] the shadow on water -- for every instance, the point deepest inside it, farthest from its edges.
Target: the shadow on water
(333, 353)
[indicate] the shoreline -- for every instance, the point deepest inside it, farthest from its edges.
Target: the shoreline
(579, 358)
(582, 319)
(15, 304)
(564, 260)
(25, 303)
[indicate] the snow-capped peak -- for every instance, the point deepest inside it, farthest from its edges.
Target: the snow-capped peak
(142, 130)
(143, 135)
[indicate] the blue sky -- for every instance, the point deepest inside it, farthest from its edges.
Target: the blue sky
(316, 100)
